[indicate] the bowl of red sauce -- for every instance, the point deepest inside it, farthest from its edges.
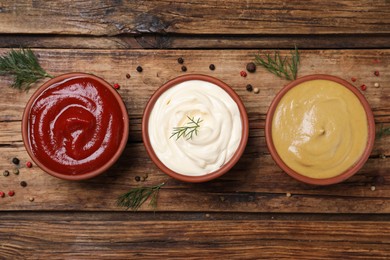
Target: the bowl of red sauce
(75, 126)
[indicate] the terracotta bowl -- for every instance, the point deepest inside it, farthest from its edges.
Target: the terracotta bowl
(228, 165)
(344, 175)
(106, 163)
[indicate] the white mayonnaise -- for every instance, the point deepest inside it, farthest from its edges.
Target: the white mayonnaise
(218, 136)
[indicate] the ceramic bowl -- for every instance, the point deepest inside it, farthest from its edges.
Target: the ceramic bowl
(229, 164)
(108, 161)
(342, 176)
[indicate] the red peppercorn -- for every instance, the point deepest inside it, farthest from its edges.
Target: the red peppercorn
(363, 87)
(11, 193)
(353, 79)
(116, 86)
(2, 194)
(376, 73)
(29, 164)
(243, 73)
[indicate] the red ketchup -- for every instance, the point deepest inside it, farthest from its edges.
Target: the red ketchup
(75, 126)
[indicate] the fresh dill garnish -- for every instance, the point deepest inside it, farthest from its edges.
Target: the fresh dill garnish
(134, 198)
(279, 66)
(383, 131)
(23, 66)
(188, 130)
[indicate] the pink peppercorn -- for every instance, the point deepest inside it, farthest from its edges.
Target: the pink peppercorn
(29, 164)
(2, 194)
(376, 73)
(116, 86)
(363, 87)
(11, 193)
(243, 73)
(353, 79)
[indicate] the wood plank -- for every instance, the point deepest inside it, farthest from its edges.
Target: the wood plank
(71, 236)
(196, 17)
(254, 185)
(156, 41)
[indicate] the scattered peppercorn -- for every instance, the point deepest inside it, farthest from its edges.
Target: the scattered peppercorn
(183, 68)
(243, 73)
(376, 85)
(31, 199)
(180, 60)
(288, 194)
(373, 188)
(23, 184)
(15, 160)
(11, 193)
(6, 173)
(15, 171)
(2, 194)
(251, 67)
(376, 73)
(139, 69)
(353, 79)
(137, 178)
(256, 91)
(212, 67)
(363, 87)
(249, 87)
(29, 164)
(128, 75)
(117, 86)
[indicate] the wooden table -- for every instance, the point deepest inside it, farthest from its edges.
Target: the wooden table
(248, 212)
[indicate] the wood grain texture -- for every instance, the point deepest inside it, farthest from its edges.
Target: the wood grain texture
(49, 236)
(255, 184)
(195, 17)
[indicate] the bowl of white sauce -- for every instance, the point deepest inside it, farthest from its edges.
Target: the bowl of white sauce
(195, 128)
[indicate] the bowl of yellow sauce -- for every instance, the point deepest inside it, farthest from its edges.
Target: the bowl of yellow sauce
(320, 129)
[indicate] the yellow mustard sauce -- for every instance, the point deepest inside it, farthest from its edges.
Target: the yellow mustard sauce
(319, 129)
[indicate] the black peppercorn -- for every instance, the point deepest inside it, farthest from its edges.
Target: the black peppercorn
(183, 68)
(6, 173)
(15, 160)
(139, 69)
(23, 183)
(137, 178)
(212, 67)
(249, 87)
(180, 60)
(251, 67)
(128, 75)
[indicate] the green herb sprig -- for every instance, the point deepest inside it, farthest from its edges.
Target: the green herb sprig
(383, 131)
(134, 198)
(279, 66)
(188, 130)
(24, 67)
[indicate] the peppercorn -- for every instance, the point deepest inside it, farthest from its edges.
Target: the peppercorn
(128, 75)
(2, 194)
(15, 171)
(256, 91)
(363, 87)
(137, 178)
(15, 160)
(23, 184)
(251, 67)
(139, 69)
(376, 85)
(183, 68)
(353, 79)
(11, 193)
(376, 73)
(29, 164)
(249, 87)
(117, 86)
(31, 199)
(180, 60)
(243, 73)
(212, 67)
(6, 173)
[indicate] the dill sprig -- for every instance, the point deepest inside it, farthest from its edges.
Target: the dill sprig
(134, 198)
(23, 66)
(383, 131)
(279, 66)
(188, 130)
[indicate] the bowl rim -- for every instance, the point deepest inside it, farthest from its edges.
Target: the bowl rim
(244, 135)
(344, 175)
(105, 166)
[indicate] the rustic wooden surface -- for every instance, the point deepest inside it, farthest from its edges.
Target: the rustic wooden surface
(245, 214)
